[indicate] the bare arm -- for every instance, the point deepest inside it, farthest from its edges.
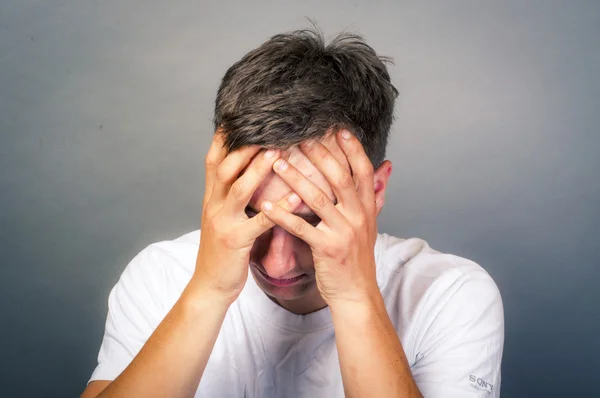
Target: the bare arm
(167, 365)
(372, 360)
(173, 358)
(95, 388)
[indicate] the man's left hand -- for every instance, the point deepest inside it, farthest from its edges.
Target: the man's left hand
(343, 242)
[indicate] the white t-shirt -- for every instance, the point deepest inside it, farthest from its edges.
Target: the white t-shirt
(447, 312)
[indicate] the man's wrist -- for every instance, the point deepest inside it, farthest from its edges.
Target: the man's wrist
(371, 303)
(197, 297)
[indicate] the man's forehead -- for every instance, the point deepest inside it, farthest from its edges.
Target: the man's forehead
(273, 188)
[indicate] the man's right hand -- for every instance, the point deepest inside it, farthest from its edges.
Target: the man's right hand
(165, 365)
(228, 234)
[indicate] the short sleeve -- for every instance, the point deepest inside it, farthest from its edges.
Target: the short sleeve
(460, 353)
(134, 311)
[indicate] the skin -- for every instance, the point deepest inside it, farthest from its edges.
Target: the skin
(347, 197)
(372, 360)
(282, 255)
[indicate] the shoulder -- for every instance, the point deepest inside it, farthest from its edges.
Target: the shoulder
(421, 285)
(162, 269)
(166, 256)
(418, 267)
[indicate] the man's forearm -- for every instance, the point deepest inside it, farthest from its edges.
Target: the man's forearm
(372, 360)
(171, 362)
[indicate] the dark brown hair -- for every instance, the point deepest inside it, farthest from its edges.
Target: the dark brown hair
(295, 87)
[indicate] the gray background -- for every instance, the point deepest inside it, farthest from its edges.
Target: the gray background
(105, 111)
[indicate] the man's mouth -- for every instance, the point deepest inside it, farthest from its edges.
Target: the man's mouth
(281, 282)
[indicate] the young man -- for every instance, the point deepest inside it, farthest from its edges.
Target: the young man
(290, 291)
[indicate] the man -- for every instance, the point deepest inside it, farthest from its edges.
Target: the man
(289, 291)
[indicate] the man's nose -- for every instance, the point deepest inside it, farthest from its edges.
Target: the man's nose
(279, 260)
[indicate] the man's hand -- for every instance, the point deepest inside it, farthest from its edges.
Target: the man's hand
(343, 242)
(227, 233)
(165, 365)
(372, 360)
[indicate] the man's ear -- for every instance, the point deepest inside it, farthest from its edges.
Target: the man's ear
(381, 177)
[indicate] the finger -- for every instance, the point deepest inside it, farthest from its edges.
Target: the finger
(339, 178)
(215, 155)
(361, 165)
(260, 223)
(229, 170)
(293, 224)
(244, 187)
(313, 196)
(337, 152)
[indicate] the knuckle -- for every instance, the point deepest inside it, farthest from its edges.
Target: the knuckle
(263, 220)
(361, 221)
(331, 250)
(348, 233)
(228, 240)
(345, 181)
(368, 168)
(222, 174)
(326, 156)
(206, 210)
(299, 227)
(237, 190)
(210, 161)
(319, 202)
(352, 235)
(311, 147)
(321, 151)
(213, 227)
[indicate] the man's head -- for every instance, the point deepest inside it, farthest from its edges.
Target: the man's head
(295, 87)
(291, 89)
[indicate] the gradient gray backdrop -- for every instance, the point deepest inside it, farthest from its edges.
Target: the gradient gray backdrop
(105, 117)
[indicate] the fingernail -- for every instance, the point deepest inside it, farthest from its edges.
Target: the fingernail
(269, 154)
(345, 134)
(293, 198)
(266, 205)
(281, 164)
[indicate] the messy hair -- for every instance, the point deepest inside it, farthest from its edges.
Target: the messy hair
(295, 87)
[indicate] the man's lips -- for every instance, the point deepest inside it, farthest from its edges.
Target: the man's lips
(281, 282)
